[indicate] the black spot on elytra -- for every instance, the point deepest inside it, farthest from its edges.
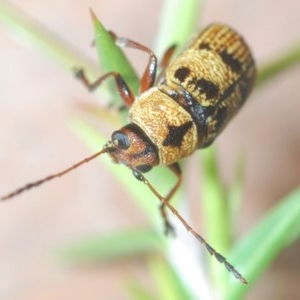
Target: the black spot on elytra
(208, 88)
(234, 64)
(182, 73)
(228, 92)
(204, 46)
(176, 134)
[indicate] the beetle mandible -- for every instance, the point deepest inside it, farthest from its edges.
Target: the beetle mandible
(180, 111)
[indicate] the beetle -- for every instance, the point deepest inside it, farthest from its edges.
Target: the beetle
(181, 110)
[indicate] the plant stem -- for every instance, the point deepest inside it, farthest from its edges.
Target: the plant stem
(35, 35)
(178, 21)
(282, 63)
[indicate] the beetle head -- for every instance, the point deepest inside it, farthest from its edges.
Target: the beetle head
(130, 146)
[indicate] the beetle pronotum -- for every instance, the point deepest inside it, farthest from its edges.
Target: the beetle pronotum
(178, 112)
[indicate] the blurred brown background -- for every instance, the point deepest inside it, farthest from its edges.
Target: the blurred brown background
(36, 99)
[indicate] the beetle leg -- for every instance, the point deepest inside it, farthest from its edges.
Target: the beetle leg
(167, 57)
(175, 168)
(149, 75)
(123, 89)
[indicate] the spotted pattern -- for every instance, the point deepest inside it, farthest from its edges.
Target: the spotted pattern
(207, 87)
(211, 79)
(176, 134)
(231, 61)
(182, 73)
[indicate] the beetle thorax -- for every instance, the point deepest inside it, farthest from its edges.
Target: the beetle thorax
(168, 125)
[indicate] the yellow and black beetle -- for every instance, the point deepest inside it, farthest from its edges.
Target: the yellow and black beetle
(184, 109)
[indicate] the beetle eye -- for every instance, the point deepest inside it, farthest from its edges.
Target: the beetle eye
(144, 168)
(121, 140)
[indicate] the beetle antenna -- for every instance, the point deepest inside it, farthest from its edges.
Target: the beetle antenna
(33, 184)
(211, 250)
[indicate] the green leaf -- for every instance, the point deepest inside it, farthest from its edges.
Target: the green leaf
(138, 292)
(263, 244)
(179, 20)
(283, 62)
(111, 56)
(112, 246)
(170, 284)
(34, 35)
(235, 191)
(216, 213)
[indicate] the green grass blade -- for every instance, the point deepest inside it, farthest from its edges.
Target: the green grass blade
(169, 283)
(111, 57)
(264, 243)
(138, 292)
(216, 209)
(179, 19)
(283, 62)
(34, 35)
(235, 191)
(112, 246)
